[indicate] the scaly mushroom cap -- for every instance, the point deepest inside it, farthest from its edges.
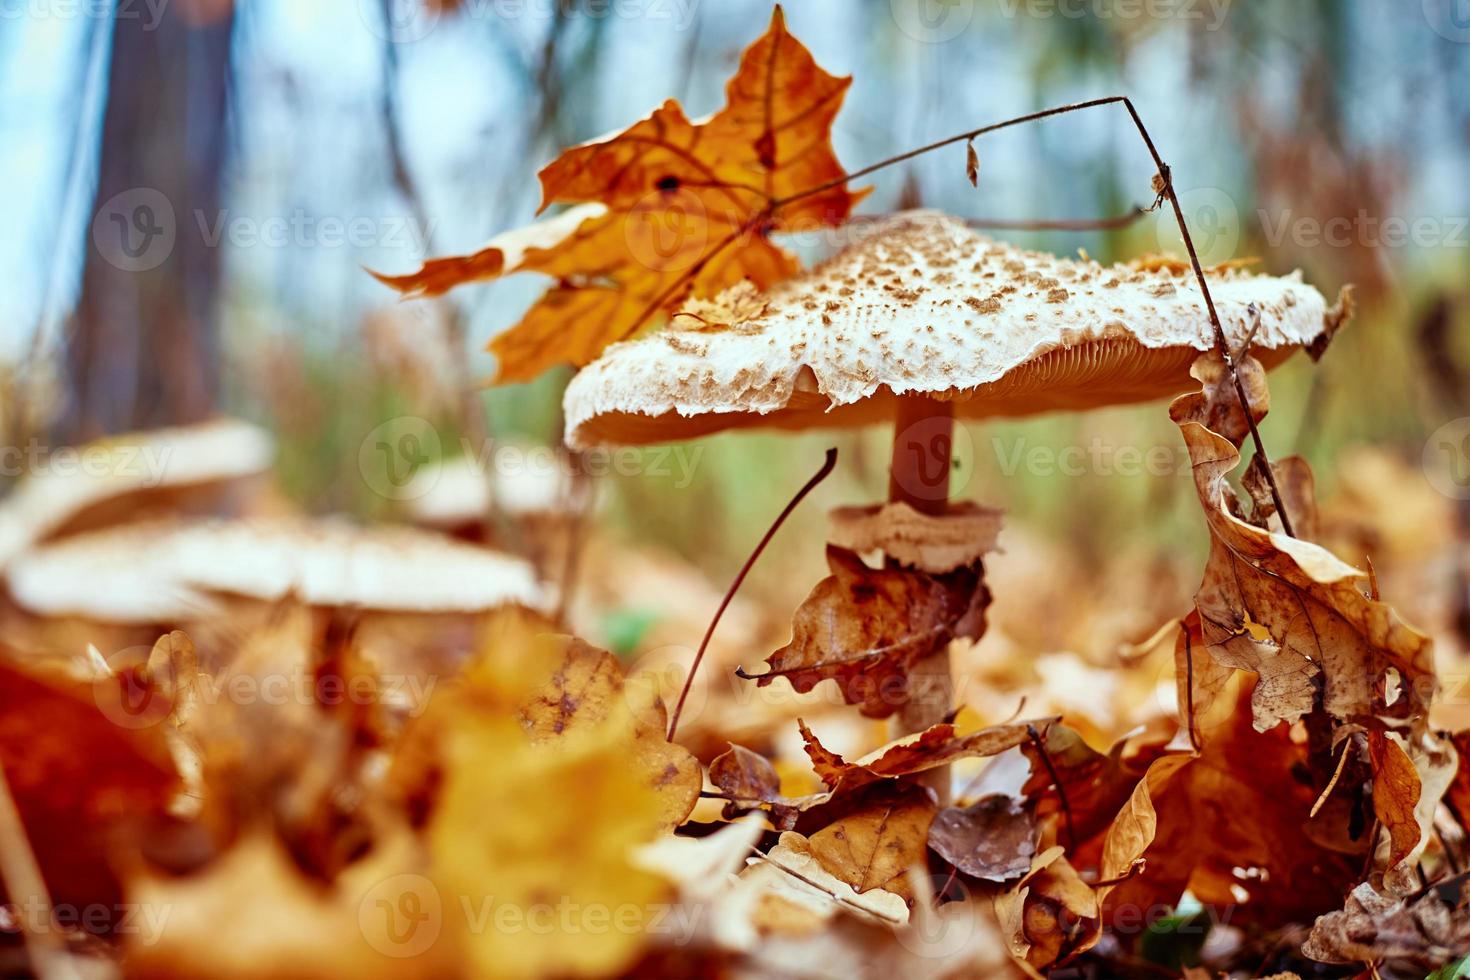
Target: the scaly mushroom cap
(921, 304)
(169, 571)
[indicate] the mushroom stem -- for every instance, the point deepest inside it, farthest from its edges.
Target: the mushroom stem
(923, 441)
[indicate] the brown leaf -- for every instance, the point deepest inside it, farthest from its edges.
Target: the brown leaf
(874, 846)
(1285, 609)
(745, 775)
(1050, 914)
(972, 164)
(1233, 827)
(581, 695)
(864, 628)
(1426, 932)
(685, 209)
(1409, 779)
(993, 839)
(1298, 492)
(88, 767)
(934, 747)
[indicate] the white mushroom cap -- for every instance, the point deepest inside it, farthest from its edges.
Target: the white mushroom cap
(150, 572)
(532, 482)
(921, 304)
(124, 465)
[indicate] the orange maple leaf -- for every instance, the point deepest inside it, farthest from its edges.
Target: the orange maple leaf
(668, 209)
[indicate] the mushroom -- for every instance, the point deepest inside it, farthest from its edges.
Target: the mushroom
(919, 321)
(122, 475)
(172, 571)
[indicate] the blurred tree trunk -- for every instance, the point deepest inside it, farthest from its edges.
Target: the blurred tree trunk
(143, 348)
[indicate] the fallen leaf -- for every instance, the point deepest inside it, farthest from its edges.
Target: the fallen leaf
(584, 691)
(874, 846)
(1423, 933)
(745, 775)
(89, 767)
(993, 839)
(1313, 617)
(864, 628)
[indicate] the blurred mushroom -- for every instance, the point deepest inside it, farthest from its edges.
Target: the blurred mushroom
(526, 499)
(921, 320)
(187, 468)
(173, 572)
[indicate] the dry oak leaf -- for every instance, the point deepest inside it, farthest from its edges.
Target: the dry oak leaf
(1426, 932)
(88, 766)
(1232, 825)
(789, 890)
(1096, 785)
(1050, 914)
(865, 628)
(586, 688)
(1312, 616)
(688, 208)
(875, 845)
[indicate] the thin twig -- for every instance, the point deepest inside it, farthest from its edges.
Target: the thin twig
(1332, 783)
(827, 466)
(825, 890)
(1056, 780)
(26, 887)
(1189, 690)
